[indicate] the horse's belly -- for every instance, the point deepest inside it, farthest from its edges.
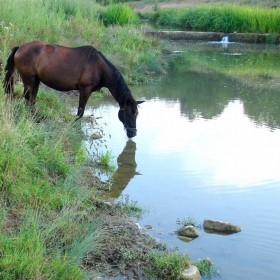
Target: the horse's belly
(59, 84)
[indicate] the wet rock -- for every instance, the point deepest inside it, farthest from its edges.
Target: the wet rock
(191, 273)
(220, 227)
(188, 231)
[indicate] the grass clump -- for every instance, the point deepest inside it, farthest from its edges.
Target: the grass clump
(119, 14)
(206, 268)
(166, 265)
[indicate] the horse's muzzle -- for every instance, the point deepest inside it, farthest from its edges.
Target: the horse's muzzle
(130, 132)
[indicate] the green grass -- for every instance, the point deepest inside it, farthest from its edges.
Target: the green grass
(166, 265)
(119, 14)
(222, 18)
(206, 268)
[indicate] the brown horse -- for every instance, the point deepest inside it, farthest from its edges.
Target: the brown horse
(64, 69)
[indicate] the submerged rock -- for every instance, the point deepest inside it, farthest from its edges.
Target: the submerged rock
(220, 227)
(188, 231)
(191, 273)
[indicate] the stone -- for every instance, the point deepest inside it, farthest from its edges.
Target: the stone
(191, 273)
(220, 227)
(188, 231)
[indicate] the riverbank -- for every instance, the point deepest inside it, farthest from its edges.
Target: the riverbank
(216, 36)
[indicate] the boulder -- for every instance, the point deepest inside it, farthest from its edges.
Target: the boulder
(188, 231)
(191, 273)
(212, 226)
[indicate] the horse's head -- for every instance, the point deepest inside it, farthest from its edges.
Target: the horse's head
(127, 116)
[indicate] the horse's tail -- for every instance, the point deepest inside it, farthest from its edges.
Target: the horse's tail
(9, 79)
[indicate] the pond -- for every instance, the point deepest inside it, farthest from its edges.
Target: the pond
(207, 148)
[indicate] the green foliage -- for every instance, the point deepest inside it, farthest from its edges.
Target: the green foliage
(119, 14)
(166, 265)
(105, 158)
(206, 268)
(223, 18)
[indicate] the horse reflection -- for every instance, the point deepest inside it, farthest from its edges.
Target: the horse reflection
(126, 169)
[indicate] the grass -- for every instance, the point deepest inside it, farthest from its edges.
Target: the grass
(78, 22)
(223, 18)
(206, 268)
(166, 265)
(119, 14)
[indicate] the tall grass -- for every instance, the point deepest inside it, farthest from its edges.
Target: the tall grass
(79, 22)
(224, 18)
(119, 14)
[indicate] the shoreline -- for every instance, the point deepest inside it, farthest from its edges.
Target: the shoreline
(216, 36)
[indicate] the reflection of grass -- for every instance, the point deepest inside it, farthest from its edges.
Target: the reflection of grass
(263, 64)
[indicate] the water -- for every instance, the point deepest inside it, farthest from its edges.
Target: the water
(207, 147)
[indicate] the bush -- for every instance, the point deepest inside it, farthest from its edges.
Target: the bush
(119, 14)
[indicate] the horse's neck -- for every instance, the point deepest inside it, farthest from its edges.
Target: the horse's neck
(117, 87)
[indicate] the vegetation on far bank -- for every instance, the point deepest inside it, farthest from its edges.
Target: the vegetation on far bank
(225, 18)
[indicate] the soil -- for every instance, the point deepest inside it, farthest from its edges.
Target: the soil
(124, 247)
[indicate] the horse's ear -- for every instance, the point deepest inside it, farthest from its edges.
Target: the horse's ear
(140, 102)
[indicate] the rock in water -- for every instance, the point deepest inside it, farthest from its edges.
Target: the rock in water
(219, 226)
(188, 231)
(191, 273)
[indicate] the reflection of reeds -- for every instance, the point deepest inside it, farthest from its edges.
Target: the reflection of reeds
(225, 18)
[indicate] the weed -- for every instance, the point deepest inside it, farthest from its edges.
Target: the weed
(189, 222)
(130, 207)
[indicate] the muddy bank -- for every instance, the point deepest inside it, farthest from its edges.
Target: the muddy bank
(215, 36)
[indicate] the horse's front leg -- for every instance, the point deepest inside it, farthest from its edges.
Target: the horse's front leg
(83, 98)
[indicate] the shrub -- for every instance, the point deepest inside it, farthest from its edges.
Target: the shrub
(119, 14)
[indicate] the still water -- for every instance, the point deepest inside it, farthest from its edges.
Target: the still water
(208, 147)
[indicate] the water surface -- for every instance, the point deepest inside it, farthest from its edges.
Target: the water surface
(207, 148)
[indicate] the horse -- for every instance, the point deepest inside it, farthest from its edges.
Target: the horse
(64, 69)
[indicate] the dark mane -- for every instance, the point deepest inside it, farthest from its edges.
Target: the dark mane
(123, 95)
(90, 51)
